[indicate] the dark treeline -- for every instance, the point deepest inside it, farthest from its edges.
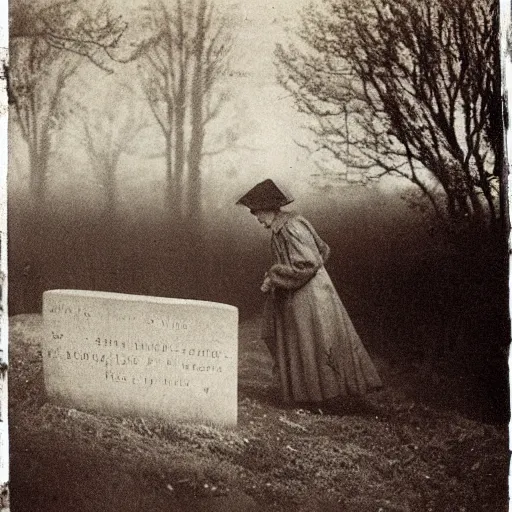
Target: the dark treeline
(375, 245)
(439, 301)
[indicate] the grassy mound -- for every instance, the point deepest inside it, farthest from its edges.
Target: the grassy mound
(396, 454)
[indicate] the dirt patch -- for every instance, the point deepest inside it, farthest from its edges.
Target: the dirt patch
(395, 454)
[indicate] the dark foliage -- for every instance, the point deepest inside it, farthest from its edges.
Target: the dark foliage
(440, 303)
(408, 88)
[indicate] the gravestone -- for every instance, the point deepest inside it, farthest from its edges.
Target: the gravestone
(173, 359)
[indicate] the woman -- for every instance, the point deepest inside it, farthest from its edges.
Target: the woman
(317, 352)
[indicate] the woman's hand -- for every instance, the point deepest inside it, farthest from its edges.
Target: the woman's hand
(267, 285)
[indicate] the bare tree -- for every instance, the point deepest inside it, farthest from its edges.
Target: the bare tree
(108, 129)
(70, 25)
(37, 90)
(408, 88)
(212, 43)
(180, 67)
(164, 67)
(47, 46)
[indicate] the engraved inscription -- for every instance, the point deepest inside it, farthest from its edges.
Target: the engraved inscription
(81, 313)
(147, 355)
(169, 358)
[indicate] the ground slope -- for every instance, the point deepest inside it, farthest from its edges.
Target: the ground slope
(400, 454)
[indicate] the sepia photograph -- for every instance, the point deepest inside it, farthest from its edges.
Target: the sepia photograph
(257, 256)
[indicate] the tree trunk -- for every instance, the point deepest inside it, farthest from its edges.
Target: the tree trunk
(179, 161)
(500, 165)
(38, 181)
(180, 107)
(195, 150)
(170, 200)
(490, 201)
(111, 271)
(476, 205)
(35, 258)
(110, 193)
(197, 119)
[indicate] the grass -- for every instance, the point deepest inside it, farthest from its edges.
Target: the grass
(400, 454)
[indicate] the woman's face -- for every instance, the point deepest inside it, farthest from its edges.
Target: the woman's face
(265, 217)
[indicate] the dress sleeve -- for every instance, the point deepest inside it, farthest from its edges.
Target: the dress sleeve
(302, 253)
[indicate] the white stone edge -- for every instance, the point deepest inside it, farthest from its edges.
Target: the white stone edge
(128, 297)
(506, 90)
(4, 429)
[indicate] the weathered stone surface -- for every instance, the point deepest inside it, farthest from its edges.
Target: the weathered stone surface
(174, 359)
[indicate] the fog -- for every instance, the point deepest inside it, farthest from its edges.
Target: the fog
(402, 282)
(83, 240)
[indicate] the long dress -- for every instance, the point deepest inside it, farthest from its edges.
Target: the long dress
(317, 351)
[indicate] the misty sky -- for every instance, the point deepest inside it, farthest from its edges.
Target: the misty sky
(262, 111)
(271, 122)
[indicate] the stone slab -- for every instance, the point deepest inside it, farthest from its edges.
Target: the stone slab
(173, 359)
